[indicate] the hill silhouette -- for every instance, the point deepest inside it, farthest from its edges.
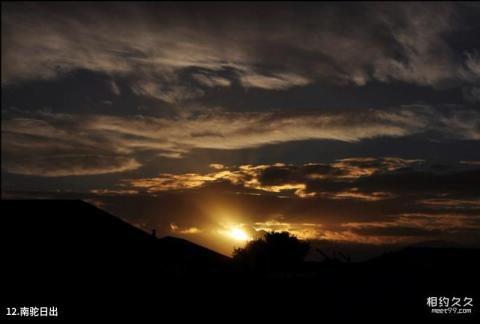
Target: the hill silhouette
(76, 234)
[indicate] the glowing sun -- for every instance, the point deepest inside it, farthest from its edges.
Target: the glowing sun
(239, 234)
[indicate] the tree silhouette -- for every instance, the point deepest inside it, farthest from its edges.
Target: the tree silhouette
(276, 251)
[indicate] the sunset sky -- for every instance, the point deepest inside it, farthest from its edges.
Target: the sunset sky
(353, 123)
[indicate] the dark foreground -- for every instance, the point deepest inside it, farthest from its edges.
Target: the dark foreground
(92, 265)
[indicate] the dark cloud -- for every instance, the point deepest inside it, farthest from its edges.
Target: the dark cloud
(268, 49)
(464, 182)
(59, 136)
(396, 231)
(230, 76)
(353, 186)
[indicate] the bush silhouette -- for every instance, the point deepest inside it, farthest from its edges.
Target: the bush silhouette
(276, 251)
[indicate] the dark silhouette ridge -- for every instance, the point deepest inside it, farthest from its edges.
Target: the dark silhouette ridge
(76, 255)
(75, 234)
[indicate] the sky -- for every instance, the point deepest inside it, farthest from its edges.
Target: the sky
(354, 123)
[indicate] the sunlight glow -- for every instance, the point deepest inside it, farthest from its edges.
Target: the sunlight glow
(239, 234)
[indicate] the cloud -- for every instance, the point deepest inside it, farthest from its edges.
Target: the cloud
(472, 62)
(363, 179)
(392, 201)
(170, 92)
(304, 231)
(211, 80)
(395, 201)
(43, 148)
(115, 88)
(396, 231)
(402, 219)
(217, 166)
(293, 46)
(274, 82)
(472, 94)
(470, 162)
(445, 203)
(408, 228)
(177, 230)
(86, 144)
(71, 166)
(49, 158)
(425, 58)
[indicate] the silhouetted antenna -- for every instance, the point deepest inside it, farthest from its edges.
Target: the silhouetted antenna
(324, 255)
(345, 257)
(154, 233)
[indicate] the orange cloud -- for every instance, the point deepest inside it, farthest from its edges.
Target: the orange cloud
(181, 230)
(255, 177)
